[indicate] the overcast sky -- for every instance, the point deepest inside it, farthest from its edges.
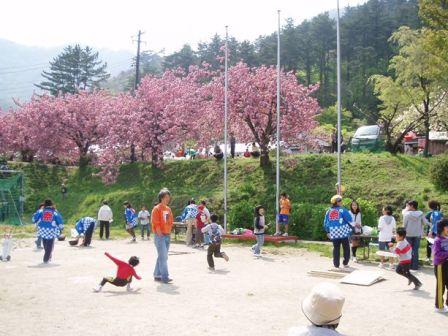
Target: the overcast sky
(167, 24)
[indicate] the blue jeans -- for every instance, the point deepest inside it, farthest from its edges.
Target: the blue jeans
(260, 241)
(415, 243)
(162, 245)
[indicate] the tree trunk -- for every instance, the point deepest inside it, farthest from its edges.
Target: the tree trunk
(264, 157)
(133, 156)
(84, 160)
(427, 129)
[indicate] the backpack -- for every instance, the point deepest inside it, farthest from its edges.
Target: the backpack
(215, 236)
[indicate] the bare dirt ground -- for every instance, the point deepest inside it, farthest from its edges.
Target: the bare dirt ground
(243, 297)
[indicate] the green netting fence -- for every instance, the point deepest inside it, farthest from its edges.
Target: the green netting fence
(11, 197)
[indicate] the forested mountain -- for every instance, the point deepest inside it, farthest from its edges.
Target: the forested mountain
(309, 49)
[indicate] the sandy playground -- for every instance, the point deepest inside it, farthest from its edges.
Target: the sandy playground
(243, 297)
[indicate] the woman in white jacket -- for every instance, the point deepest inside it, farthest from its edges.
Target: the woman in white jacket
(105, 217)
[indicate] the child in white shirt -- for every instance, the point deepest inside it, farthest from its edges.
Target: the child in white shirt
(386, 227)
(143, 217)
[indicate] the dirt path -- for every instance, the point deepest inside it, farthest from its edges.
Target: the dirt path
(243, 297)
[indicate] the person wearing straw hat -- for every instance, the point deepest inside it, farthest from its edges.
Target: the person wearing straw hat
(323, 308)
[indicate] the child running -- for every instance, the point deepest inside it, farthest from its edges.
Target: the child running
(215, 232)
(259, 228)
(131, 220)
(440, 253)
(125, 272)
(404, 252)
(386, 227)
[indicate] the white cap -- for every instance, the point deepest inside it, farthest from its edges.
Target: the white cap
(323, 306)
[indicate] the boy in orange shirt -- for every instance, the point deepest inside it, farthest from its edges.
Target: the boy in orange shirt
(283, 216)
(162, 223)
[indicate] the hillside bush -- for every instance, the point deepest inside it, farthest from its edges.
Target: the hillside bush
(438, 172)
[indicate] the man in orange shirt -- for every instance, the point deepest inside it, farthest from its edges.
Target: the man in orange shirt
(162, 223)
(283, 216)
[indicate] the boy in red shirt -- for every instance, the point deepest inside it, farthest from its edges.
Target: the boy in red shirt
(125, 272)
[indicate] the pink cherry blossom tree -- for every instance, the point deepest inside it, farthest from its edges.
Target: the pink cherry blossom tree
(253, 103)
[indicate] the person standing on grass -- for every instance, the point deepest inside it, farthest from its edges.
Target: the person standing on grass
(143, 217)
(85, 227)
(414, 222)
(259, 230)
(355, 212)
(283, 216)
(404, 252)
(386, 227)
(162, 223)
(441, 265)
(50, 226)
(433, 217)
(215, 231)
(338, 228)
(131, 220)
(105, 217)
(189, 217)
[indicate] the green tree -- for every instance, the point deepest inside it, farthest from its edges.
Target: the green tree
(181, 59)
(417, 80)
(73, 70)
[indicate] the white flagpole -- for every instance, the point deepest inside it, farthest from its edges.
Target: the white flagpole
(226, 82)
(277, 194)
(338, 42)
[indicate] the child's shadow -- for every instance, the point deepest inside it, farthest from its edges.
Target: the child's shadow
(43, 265)
(419, 293)
(268, 259)
(220, 271)
(168, 289)
(121, 293)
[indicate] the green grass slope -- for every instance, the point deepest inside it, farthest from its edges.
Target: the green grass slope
(373, 179)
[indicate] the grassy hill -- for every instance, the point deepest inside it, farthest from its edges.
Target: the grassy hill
(373, 179)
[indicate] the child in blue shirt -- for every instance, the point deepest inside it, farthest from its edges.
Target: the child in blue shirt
(131, 220)
(433, 216)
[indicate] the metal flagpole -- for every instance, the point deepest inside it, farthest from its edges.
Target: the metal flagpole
(338, 43)
(277, 194)
(226, 82)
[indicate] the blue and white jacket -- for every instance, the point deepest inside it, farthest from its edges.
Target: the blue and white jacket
(49, 223)
(84, 223)
(337, 223)
(130, 216)
(433, 217)
(190, 211)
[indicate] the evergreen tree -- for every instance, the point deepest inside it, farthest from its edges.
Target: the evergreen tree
(181, 59)
(73, 70)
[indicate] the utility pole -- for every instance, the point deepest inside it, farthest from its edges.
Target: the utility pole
(137, 61)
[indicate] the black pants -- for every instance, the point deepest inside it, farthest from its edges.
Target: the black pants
(337, 251)
(404, 270)
(428, 250)
(104, 225)
(232, 151)
(115, 281)
(48, 248)
(441, 273)
(213, 250)
(88, 235)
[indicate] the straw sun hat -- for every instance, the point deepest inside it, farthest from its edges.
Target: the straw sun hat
(323, 306)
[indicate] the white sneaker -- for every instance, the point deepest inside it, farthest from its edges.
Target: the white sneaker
(225, 256)
(277, 234)
(355, 260)
(128, 288)
(444, 310)
(381, 265)
(392, 267)
(285, 234)
(97, 289)
(257, 255)
(346, 266)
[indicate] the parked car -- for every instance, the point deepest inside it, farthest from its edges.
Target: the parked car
(367, 138)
